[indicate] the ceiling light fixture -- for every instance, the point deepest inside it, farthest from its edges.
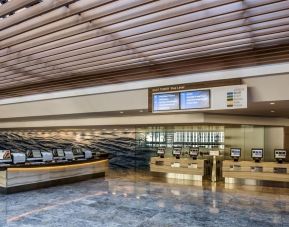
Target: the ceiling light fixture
(121, 112)
(141, 111)
(272, 103)
(272, 111)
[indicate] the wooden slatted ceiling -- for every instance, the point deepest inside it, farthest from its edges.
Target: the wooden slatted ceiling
(56, 45)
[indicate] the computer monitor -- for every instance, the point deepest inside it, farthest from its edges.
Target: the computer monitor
(161, 152)
(36, 154)
(257, 154)
(280, 155)
(177, 152)
(235, 153)
(194, 152)
(60, 152)
(5, 155)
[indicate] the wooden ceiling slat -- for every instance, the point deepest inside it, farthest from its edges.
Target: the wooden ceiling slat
(13, 52)
(136, 74)
(52, 16)
(53, 56)
(132, 40)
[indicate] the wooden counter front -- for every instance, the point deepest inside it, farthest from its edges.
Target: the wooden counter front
(256, 171)
(29, 177)
(182, 166)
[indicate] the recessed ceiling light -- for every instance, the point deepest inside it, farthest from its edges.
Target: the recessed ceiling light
(121, 112)
(141, 111)
(272, 111)
(272, 103)
(126, 129)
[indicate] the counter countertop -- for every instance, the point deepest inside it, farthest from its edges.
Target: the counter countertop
(65, 163)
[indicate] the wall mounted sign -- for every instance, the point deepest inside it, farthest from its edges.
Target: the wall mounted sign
(170, 99)
(166, 101)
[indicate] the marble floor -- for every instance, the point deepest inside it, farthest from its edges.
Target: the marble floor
(137, 200)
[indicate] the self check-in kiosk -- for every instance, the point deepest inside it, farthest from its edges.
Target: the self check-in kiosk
(161, 152)
(194, 152)
(177, 151)
(34, 156)
(235, 154)
(257, 154)
(280, 155)
(78, 153)
(58, 154)
(5, 156)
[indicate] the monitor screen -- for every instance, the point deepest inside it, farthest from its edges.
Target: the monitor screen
(77, 151)
(36, 154)
(195, 99)
(280, 154)
(194, 151)
(177, 151)
(60, 152)
(166, 102)
(161, 150)
(5, 154)
(29, 154)
(257, 153)
(235, 152)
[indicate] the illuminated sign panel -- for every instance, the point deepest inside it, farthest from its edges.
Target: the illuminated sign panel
(195, 99)
(165, 102)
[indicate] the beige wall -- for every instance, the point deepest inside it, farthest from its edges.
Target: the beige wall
(261, 89)
(268, 88)
(248, 137)
(274, 139)
(126, 100)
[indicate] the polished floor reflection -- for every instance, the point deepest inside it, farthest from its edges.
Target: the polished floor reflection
(140, 200)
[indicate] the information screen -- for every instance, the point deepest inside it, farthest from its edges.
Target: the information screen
(36, 153)
(280, 153)
(257, 153)
(5, 154)
(195, 99)
(60, 152)
(163, 102)
(235, 152)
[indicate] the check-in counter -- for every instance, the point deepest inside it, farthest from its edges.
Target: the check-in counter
(14, 178)
(249, 170)
(185, 168)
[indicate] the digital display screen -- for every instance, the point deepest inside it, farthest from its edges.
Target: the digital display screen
(164, 102)
(5, 154)
(177, 151)
(161, 151)
(195, 99)
(279, 153)
(235, 152)
(36, 153)
(60, 152)
(257, 153)
(194, 151)
(77, 151)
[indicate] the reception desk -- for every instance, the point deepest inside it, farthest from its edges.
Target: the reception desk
(17, 178)
(184, 168)
(249, 170)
